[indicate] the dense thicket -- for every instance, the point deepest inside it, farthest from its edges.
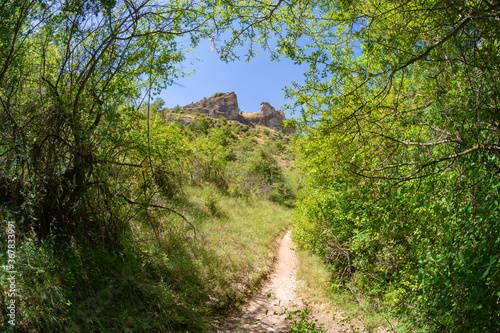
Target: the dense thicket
(71, 78)
(400, 139)
(400, 142)
(399, 134)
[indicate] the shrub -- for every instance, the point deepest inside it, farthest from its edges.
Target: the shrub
(168, 182)
(177, 109)
(283, 193)
(264, 166)
(246, 144)
(217, 94)
(266, 131)
(267, 178)
(222, 135)
(200, 125)
(278, 145)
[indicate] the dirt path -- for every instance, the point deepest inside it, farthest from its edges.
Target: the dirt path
(258, 314)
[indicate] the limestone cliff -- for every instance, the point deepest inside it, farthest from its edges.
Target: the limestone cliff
(268, 116)
(226, 105)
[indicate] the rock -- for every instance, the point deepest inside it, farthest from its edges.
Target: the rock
(268, 116)
(273, 118)
(226, 106)
(222, 106)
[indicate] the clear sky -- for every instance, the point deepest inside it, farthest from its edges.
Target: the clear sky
(260, 80)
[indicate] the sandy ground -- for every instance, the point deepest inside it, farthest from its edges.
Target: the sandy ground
(258, 314)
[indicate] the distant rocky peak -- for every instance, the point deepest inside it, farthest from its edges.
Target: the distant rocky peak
(269, 111)
(226, 105)
(218, 106)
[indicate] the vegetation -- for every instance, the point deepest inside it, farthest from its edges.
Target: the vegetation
(301, 320)
(113, 206)
(163, 278)
(110, 235)
(186, 252)
(347, 306)
(399, 140)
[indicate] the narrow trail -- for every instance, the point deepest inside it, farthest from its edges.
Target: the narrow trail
(258, 314)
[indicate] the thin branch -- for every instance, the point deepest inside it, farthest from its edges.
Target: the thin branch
(421, 166)
(421, 144)
(459, 27)
(161, 207)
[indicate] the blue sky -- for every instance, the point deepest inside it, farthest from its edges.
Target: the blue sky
(256, 81)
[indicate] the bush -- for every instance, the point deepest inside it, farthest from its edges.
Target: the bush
(246, 144)
(222, 135)
(403, 251)
(268, 178)
(266, 131)
(278, 145)
(200, 125)
(289, 124)
(168, 182)
(217, 94)
(283, 193)
(264, 165)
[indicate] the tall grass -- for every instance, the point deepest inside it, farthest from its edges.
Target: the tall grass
(237, 242)
(344, 305)
(164, 277)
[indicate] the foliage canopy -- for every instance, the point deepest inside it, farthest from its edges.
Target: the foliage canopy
(399, 133)
(399, 136)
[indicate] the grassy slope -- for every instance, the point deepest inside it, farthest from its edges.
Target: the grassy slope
(174, 282)
(162, 277)
(239, 240)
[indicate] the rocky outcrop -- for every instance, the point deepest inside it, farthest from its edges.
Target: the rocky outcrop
(268, 116)
(226, 105)
(217, 106)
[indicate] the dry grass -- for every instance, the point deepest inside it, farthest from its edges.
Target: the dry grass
(240, 236)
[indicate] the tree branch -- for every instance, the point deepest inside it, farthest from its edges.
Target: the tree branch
(162, 207)
(459, 27)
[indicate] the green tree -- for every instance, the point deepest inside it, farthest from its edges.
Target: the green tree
(72, 74)
(399, 136)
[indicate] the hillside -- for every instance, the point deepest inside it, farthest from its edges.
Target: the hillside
(190, 233)
(119, 215)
